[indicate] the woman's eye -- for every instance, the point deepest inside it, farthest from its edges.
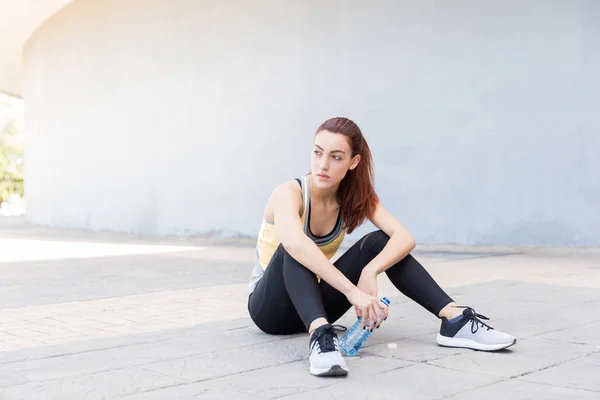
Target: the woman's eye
(338, 158)
(317, 152)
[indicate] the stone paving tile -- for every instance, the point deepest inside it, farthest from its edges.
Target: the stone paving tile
(294, 378)
(92, 386)
(190, 340)
(95, 319)
(410, 382)
(175, 349)
(584, 334)
(11, 378)
(273, 382)
(191, 391)
(528, 356)
(516, 389)
(581, 373)
(30, 284)
(226, 362)
(50, 369)
(418, 349)
(552, 321)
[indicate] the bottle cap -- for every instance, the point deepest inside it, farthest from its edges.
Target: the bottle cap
(385, 301)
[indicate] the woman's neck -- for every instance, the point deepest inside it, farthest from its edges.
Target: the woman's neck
(327, 196)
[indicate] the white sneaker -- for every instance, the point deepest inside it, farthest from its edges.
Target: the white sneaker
(472, 333)
(325, 357)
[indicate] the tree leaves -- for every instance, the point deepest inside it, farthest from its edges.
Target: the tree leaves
(11, 148)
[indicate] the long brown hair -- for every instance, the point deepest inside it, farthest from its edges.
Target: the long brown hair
(356, 194)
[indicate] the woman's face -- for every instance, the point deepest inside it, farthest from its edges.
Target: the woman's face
(331, 159)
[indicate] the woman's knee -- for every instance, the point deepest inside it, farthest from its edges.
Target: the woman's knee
(285, 257)
(374, 241)
(291, 266)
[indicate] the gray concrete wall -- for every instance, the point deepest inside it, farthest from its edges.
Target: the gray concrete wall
(180, 117)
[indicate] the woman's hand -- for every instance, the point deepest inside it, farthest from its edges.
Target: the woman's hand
(370, 307)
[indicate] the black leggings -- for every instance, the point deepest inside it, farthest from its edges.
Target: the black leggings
(288, 297)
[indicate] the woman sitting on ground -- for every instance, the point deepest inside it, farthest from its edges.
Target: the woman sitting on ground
(294, 286)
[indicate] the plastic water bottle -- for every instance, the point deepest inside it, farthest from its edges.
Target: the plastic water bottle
(352, 340)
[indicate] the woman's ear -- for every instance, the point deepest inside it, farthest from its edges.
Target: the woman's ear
(355, 161)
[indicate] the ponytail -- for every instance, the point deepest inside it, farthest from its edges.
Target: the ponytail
(356, 194)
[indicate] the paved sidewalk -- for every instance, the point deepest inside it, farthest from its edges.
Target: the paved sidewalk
(98, 315)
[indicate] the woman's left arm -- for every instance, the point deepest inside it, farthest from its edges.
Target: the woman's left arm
(400, 244)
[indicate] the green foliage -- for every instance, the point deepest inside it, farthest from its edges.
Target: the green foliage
(11, 149)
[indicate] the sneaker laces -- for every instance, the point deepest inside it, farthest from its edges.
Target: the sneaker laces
(326, 338)
(475, 319)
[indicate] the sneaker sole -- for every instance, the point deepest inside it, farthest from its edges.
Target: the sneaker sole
(471, 344)
(335, 370)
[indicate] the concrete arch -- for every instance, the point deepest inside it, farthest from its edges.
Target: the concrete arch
(180, 117)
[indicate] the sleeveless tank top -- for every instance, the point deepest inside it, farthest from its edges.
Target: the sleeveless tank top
(268, 238)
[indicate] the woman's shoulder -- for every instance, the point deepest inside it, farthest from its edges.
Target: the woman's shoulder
(287, 194)
(287, 188)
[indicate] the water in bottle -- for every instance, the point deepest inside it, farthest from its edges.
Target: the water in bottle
(352, 340)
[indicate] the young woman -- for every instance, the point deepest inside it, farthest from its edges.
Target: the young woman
(295, 288)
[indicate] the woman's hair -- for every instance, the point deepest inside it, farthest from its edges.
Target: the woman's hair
(356, 193)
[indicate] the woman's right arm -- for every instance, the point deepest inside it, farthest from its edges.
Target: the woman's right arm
(286, 202)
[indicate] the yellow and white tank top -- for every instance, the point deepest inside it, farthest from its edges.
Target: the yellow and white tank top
(268, 238)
